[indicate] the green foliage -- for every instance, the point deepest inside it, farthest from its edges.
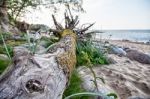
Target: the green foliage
(44, 41)
(5, 46)
(49, 41)
(3, 66)
(17, 7)
(74, 86)
(14, 43)
(88, 55)
(5, 36)
(75, 91)
(10, 44)
(4, 62)
(3, 50)
(86, 49)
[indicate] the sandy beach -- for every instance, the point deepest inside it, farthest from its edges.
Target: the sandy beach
(128, 78)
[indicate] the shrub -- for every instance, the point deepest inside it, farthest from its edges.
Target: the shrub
(94, 54)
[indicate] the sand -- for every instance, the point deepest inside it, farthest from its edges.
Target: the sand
(127, 78)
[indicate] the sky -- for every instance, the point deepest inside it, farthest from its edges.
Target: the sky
(108, 14)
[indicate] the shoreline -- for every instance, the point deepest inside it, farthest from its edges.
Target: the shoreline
(139, 46)
(124, 40)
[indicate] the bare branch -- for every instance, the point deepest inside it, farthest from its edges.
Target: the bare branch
(70, 12)
(58, 26)
(76, 22)
(85, 29)
(94, 31)
(66, 22)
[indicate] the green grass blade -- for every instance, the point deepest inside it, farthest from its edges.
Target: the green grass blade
(5, 46)
(88, 94)
(28, 40)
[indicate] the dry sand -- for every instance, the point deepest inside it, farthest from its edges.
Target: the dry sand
(127, 78)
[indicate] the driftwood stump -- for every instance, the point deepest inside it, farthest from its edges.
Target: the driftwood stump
(40, 76)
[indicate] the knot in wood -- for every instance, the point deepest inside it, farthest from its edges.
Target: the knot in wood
(34, 86)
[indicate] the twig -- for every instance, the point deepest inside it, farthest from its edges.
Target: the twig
(58, 26)
(85, 29)
(70, 12)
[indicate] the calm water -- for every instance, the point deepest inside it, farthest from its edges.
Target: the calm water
(132, 35)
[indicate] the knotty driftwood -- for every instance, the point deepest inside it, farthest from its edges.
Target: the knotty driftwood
(42, 76)
(45, 75)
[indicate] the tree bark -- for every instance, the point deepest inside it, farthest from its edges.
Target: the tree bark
(40, 76)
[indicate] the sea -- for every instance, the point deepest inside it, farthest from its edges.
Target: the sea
(131, 35)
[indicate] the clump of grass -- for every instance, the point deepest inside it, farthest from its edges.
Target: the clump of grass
(49, 41)
(74, 86)
(5, 36)
(3, 50)
(9, 45)
(94, 54)
(4, 62)
(5, 46)
(14, 43)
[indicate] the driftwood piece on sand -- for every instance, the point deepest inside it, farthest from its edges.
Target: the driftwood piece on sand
(42, 76)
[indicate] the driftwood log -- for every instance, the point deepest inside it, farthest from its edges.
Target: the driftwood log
(44, 75)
